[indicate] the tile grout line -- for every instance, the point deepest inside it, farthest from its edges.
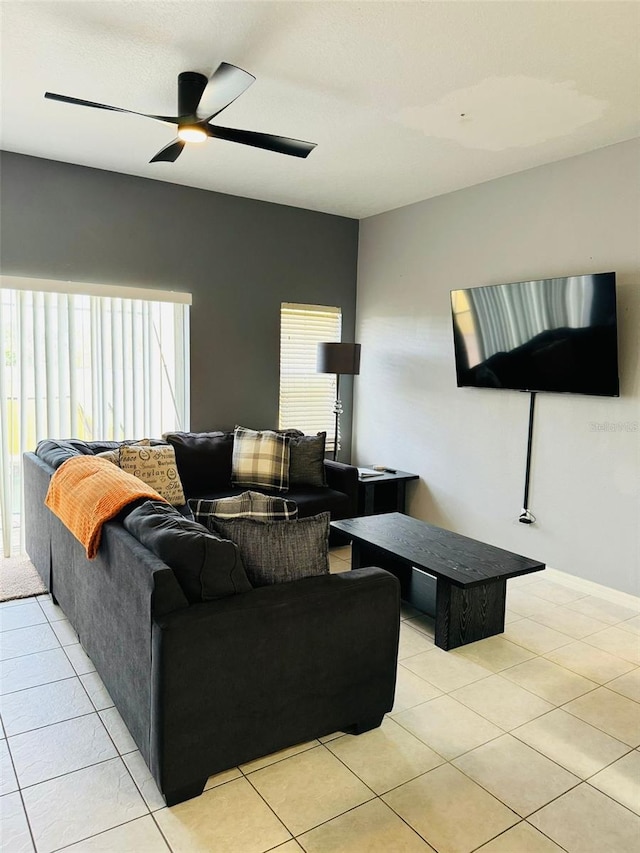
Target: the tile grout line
(376, 796)
(118, 755)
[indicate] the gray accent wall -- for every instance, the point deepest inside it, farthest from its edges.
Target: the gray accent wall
(468, 445)
(240, 258)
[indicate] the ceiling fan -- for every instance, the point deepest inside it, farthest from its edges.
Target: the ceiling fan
(199, 100)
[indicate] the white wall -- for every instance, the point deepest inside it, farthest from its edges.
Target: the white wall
(468, 445)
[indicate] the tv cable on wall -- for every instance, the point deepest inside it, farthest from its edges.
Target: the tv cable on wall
(526, 517)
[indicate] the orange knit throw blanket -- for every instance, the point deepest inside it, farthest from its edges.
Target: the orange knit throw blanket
(86, 491)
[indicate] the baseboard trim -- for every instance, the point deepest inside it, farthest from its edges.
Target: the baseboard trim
(592, 588)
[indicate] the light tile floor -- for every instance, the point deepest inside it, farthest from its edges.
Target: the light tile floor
(523, 743)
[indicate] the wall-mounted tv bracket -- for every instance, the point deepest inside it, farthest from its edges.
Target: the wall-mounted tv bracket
(525, 516)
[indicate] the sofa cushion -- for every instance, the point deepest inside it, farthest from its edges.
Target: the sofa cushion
(306, 465)
(203, 459)
(205, 566)
(156, 466)
(260, 458)
(246, 505)
(280, 551)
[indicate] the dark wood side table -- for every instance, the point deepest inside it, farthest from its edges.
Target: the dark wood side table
(385, 493)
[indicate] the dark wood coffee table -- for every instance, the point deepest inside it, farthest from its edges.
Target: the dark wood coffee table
(460, 581)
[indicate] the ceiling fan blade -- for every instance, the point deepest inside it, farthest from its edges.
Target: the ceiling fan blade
(226, 84)
(65, 99)
(170, 152)
(279, 144)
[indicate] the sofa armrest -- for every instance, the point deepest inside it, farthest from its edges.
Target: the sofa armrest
(254, 673)
(343, 478)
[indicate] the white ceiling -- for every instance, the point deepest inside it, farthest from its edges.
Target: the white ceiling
(380, 86)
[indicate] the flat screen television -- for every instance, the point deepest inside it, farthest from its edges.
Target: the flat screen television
(556, 334)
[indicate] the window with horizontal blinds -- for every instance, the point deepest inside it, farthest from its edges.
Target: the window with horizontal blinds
(307, 397)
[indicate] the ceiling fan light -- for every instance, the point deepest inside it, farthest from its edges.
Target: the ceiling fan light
(191, 134)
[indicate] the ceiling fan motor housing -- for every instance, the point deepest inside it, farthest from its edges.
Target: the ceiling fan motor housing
(191, 85)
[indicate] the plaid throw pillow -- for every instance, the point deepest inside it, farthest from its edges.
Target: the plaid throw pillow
(260, 459)
(247, 505)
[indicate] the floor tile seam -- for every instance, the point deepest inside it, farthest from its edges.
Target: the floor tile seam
(560, 631)
(500, 725)
(613, 689)
(24, 627)
(622, 657)
(4, 631)
(449, 760)
(267, 804)
(55, 723)
(613, 799)
(34, 686)
(26, 817)
(590, 690)
(152, 815)
(26, 654)
(601, 619)
(555, 761)
(451, 689)
(580, 696)
(84, 687)
(417, 776)
(415, 630)
(64, 649)
(508, 829)
(372, 797)
(247, 773)
(408, 657)
(589, 678)
(98, 834)
(513, 608)
(13, 767)
(557, 603)
(514, 733)
(43, 683)
(69, 772)
(595, 589)
(352, 809)
(534, 651)
(486, 841)
(630, 751)
(578, 782)
(520, 740)
(404, 821)
(277, 847)
(599, 687)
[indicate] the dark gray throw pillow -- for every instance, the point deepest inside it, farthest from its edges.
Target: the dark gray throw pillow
(306, 460)
(280, 551)
(203, 460)
(205, 566)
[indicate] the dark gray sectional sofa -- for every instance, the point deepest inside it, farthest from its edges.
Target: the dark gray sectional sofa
(207, 686)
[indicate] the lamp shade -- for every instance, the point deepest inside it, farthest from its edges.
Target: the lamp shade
(340, 358)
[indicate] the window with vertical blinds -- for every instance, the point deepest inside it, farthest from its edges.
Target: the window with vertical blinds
(89, 362)
(307, 397)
